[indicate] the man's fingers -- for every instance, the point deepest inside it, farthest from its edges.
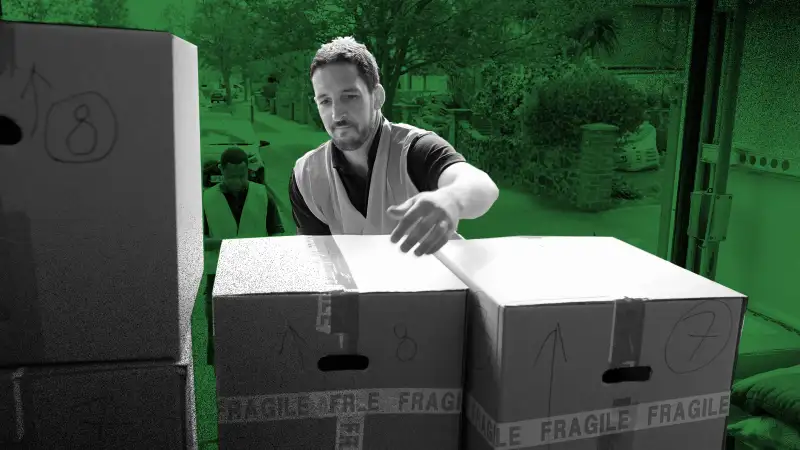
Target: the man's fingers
(432, 242)
(403, 227)
(416, 234)
(411, 217)
(435, 240)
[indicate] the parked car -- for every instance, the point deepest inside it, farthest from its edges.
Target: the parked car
(219, 96)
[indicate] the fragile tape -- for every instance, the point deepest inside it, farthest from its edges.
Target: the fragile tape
(597, 423)
(348, 407)
(337, 310)
(627, 334)
(21, 336)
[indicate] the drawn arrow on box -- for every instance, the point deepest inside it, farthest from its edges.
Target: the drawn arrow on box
(556, 340)
(292, 344)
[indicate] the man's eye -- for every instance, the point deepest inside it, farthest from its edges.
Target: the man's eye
(352, 96)
(324, 102)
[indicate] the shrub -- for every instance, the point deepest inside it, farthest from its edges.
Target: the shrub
(584, 95)
(581, 95)
(502, 94)
(497, 155)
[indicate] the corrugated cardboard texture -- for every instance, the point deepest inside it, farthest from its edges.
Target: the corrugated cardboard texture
(266, 304)
(136, 406)
(100, 204)
(549, 317)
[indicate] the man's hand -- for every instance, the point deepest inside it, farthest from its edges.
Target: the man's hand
(428, 218)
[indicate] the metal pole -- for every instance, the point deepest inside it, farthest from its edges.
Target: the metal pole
(717, 220)
(703, 175)
(729, 97)
(670, 170)
(695, 87)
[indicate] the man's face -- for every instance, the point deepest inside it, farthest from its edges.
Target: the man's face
(234, 176)
(346, 107)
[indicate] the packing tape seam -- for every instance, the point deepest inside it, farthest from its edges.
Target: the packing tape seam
(538, 432)
(337, 309)
(18, 286)
(7, 47)
(627, 334)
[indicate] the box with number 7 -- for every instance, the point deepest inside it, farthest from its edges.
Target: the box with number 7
(590, 343)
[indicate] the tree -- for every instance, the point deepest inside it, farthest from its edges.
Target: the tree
(222, 31)
(407, 36)
(598, 33)
(51, 11)
(252, 35)
(175, 20)
(110, 13)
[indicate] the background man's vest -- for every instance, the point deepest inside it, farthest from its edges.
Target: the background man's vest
(222, 225)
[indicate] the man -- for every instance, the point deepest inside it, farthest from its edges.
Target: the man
(377, 177)
(235, 208)
(269, 91)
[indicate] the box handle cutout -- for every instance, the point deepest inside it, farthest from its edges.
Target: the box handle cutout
(637, 374)
(10, 132)
(337, 363)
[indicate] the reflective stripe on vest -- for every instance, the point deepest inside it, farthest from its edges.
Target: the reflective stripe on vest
(222, 224)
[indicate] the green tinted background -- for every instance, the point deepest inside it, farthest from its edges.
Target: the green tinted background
(477, 73)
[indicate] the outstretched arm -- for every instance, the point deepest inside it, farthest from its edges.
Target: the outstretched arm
(472, 190)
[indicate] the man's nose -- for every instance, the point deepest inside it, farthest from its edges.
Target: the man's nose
(339, 112)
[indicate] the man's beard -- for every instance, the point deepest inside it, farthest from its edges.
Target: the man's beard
(350, 143)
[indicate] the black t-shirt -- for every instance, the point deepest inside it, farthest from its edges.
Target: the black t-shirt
(236, 204)
(428, 156)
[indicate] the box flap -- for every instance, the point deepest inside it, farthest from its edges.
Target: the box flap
(523, 271)
(303, 264)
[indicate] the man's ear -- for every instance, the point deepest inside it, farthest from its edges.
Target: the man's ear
(379, 97)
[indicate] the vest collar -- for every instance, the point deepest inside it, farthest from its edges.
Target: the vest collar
(225, 191)
(340, 162)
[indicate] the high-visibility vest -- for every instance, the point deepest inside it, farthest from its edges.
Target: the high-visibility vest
(222, 224)
(390, 185)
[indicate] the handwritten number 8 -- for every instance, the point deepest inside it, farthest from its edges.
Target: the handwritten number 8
(406, 347)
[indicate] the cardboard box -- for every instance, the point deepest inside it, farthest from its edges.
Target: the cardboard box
(122, 407)
(574, 341)
(100, 208)
(285, 306)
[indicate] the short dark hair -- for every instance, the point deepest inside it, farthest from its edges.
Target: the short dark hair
(347, 50)
(232, 155)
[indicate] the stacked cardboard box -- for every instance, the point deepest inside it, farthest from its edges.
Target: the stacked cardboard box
(573, 343)
(337, 342)
(100, 237)
(590, 343)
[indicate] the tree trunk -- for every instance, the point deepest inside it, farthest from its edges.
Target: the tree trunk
(391, 93)
(228, 88)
